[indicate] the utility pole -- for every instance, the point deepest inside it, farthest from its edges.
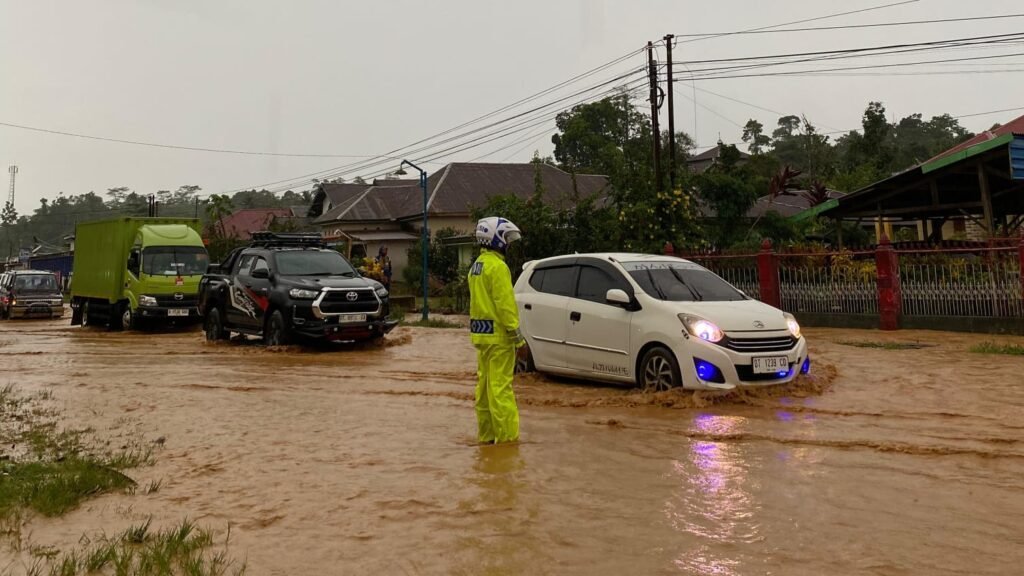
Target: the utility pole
(653, 74)
(669, 39)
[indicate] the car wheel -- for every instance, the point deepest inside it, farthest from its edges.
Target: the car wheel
(659, 371)
(214, 326)
(524, 360)
(275, 333)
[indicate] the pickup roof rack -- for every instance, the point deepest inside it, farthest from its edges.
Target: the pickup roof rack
(272, 239)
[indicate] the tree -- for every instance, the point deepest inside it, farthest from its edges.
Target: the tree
(10, 214)
(753, 135)
(728, 190)
(218, 206)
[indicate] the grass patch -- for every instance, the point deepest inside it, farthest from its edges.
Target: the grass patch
(181, 549)
(433, 323)
(883, 345)
(993, 348)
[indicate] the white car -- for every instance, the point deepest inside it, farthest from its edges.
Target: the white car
(657, 321)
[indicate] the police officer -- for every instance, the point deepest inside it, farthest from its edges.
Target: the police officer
(494, 326)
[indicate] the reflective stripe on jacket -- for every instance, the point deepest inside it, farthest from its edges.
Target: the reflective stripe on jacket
(494, 318)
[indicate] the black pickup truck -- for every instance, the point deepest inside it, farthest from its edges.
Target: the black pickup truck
(284, 286)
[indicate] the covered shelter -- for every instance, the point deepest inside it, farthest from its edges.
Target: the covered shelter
(980, 181)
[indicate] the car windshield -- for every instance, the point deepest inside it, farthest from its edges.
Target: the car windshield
(35, 283)
(313, 263)
(174, 260)
(681, 282)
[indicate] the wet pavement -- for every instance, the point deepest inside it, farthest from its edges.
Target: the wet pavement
(361, 460)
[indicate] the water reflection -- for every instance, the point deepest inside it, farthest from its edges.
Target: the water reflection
(713, 502)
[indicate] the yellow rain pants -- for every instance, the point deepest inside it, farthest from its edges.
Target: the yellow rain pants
(494, 327)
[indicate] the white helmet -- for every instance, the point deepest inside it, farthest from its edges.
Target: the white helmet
(496, 233)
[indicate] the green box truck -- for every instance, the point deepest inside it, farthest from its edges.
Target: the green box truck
(129, 270)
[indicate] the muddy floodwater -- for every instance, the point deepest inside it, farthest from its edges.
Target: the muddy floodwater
(361, 460)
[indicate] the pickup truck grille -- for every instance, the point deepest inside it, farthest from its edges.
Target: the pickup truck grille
(338, 302)
(169, 301)
(758, 345)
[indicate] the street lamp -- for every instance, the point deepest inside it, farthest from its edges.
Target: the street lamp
(426, 234)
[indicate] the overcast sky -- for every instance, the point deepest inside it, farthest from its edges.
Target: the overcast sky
(363, 78)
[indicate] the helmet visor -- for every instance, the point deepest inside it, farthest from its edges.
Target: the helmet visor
(512, 235)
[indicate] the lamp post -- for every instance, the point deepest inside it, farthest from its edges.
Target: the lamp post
(426, 235)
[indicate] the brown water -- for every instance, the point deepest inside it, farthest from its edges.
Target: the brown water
(362, 460)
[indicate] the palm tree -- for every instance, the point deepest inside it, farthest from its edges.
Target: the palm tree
(217, 207)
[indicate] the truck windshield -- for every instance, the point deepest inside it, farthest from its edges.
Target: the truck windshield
(681, 282)
(174, 260)
(35, 283)
(313, 263)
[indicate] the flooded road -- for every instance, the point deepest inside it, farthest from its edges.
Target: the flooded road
(362, 460)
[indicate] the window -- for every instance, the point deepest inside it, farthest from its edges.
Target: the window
(537, 279)
(676, 281)
(135, 261)
(559, 281)
(174, 260)
(595, 283)
(244, 263)
(260, 264)
(313, 263)
(35, 283)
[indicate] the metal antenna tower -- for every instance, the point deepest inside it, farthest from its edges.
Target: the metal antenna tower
(10, 195)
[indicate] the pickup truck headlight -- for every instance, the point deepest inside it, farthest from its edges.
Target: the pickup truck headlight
(701, 328)
(793, 325)
(382, 292)
(301, 294)
(57, 301)
(147, 301)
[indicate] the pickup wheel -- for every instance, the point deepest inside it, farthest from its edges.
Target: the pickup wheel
(214, 326)
(275, 333)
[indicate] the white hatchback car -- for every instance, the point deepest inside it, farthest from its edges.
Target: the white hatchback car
(657, 321)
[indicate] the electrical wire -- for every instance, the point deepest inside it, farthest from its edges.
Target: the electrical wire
(816, 19)
(854, 26)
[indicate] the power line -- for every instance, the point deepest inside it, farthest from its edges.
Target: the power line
(174, 146)
(853, 26)
(867, 67)
(816, 19)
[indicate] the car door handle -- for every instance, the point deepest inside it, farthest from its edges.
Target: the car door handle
(528, 306)
(575, 316)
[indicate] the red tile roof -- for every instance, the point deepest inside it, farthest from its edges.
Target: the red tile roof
(244, 222)
(1012, 127)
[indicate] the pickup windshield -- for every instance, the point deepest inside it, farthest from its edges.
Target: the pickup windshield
(174, 260)
(35, 283)
(313, 263)
(681, 282)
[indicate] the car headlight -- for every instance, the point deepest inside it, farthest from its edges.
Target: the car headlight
(701, 328)
(57, 301)
(382, 292)
(147, 301)
(793, 325)
(301, 294)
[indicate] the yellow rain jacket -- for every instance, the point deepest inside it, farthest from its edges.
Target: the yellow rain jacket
(494, 329)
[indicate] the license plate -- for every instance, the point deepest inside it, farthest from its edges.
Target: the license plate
(770, 364)
(349, 318)
(178, 312)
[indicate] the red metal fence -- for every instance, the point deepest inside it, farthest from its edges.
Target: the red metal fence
(957, 286)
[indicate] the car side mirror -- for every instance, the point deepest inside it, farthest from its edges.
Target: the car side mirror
(618, 297)
(261, 273)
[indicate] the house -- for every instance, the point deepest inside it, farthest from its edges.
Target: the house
(389, 213)
(701, 162)
(242, 223)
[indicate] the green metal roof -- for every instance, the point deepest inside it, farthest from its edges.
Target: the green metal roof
(966, 153)
(815, 210)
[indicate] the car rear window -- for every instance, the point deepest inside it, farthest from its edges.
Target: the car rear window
(681, 282)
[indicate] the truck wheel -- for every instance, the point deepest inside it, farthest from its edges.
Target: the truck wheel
(275, 333)
(126, 317)
(87, 319)
(214, 326)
